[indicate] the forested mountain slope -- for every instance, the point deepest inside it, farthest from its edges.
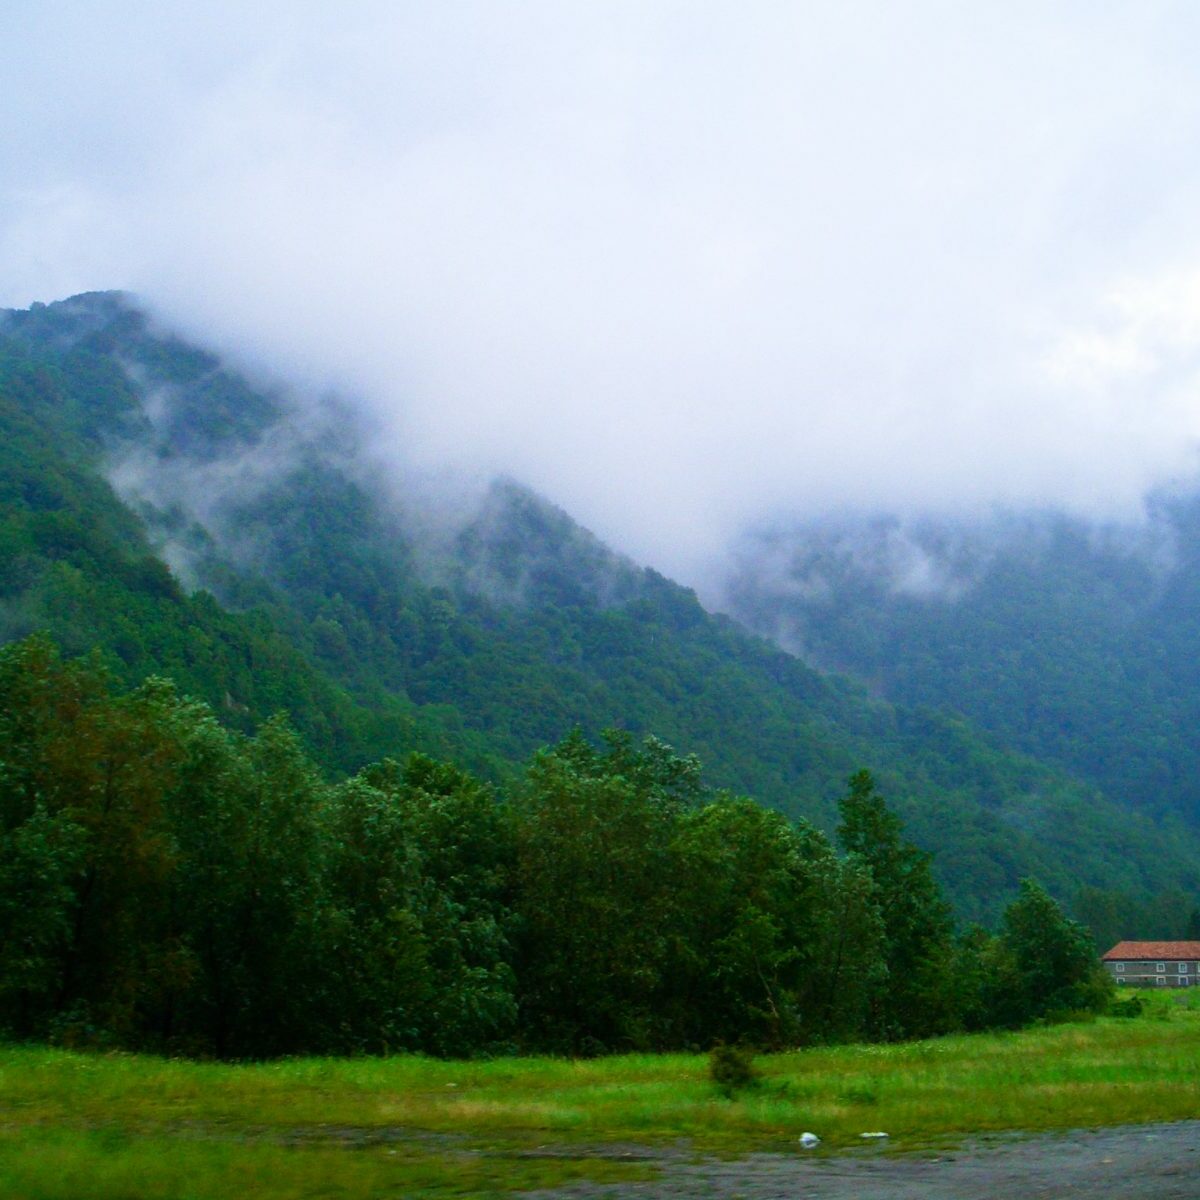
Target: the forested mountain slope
(1075, 643)
(302, 579)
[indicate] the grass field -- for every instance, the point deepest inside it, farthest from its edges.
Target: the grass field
(125, 1127)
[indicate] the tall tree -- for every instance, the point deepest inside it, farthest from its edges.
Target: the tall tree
(592, 894)
(774, 938)
(83, 776)
(918, 945)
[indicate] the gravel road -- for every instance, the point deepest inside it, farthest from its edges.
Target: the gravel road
(1151, 1162)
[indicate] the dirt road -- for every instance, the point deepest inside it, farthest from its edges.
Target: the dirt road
(1151, 1162)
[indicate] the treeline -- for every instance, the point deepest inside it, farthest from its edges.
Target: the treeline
(167, 883)
(1113, 915)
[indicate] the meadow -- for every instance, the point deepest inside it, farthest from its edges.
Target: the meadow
(133, 1127)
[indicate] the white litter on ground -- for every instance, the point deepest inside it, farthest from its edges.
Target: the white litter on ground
(809, 1140)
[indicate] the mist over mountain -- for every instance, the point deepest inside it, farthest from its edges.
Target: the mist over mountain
(303, 580)
(541, 528)
(210, 459)
(683, 274)
(1072, 640)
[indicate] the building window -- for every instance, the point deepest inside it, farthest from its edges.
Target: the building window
(1120, 967)
(1161, 982)
(1161, 967)
(1120, 981)
(1183, 968)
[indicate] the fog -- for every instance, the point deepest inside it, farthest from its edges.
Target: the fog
(685, 268)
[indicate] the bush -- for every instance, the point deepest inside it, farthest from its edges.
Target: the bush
(732, 1069)
(1132, 1006)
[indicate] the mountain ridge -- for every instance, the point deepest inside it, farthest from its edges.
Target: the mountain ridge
(533, 628)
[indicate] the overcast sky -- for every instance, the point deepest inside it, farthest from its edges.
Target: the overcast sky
(680, 266)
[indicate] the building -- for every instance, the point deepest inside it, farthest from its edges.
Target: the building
(1154, 964)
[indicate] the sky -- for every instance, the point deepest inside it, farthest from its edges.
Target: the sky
(685, 268)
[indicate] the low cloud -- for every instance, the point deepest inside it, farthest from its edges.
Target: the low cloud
(684, 269)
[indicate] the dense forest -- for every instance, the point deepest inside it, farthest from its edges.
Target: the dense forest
(168, 883)
(1072, 641)
(302, 581)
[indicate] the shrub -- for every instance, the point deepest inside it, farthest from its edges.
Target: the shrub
(732, 1069)
(1132, 1006)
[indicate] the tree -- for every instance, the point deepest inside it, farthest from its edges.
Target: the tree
(1107, 913)
(918, 946)
(83, 776)
(592, 894)
(39, 860)
(248, 895)
(1043, 962)
(1192, 933)
(376, 947)
(774, 939)
(458, 860)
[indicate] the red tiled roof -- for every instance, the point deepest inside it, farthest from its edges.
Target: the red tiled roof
(1160, 950)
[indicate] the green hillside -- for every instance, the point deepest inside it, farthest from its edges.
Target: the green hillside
(1073, 643)
(301, 582)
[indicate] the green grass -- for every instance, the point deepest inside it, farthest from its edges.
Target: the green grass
(127, 1127)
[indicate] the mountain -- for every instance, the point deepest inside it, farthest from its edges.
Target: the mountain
(248, 541)
(1074, 642)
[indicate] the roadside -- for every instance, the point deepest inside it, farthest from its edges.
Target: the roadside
(1154, 1162)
